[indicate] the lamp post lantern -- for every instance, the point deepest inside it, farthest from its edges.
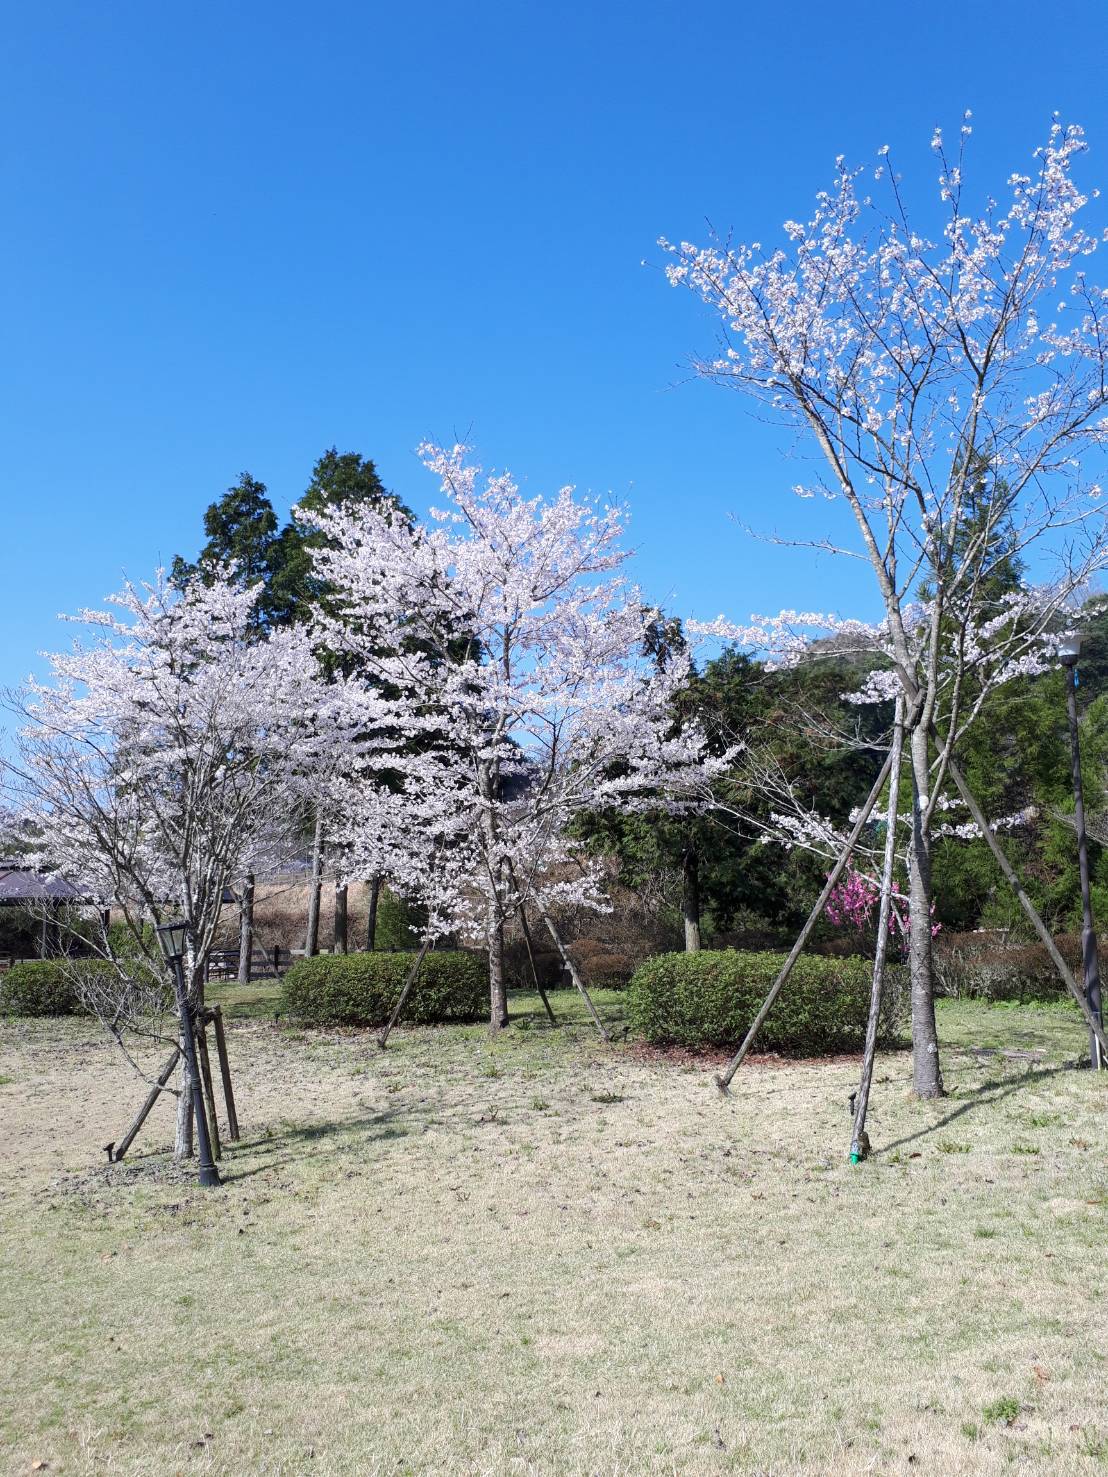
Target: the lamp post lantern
(171, 940)
(1069, 651)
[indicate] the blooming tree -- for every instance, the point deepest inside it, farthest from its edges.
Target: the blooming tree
(154, 766)
(912, 357)
(503, 690)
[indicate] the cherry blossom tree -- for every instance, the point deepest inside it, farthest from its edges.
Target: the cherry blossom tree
(503, 689)
(911, 356)
(154, 768)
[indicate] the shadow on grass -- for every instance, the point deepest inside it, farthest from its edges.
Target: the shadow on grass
(986, 1095)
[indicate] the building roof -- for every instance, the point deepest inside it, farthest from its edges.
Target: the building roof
(20, 883)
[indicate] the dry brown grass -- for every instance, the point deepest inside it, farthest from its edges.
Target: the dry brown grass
(537, 1256)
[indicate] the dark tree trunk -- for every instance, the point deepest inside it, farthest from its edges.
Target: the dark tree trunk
(498, 990)
(311, 941)
(371, 920)
(340, 918)
(927, 1080)
(246, 929)
(690, 898)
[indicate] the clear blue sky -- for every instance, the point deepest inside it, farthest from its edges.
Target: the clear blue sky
(238, 233)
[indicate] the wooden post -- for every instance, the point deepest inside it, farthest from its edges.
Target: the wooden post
(1045, 935)
(382, 1040)
(209, 1089)
(246, 930)
(531, 961)
(225, 1074)
(277, 959)
(859, 1144)
(723, 1082)
(340, 919)
(569, 964)
(140, 1117)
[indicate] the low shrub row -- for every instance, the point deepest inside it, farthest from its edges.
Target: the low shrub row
(45, 986)
(988, 966)
(709, 999)
(362, 989)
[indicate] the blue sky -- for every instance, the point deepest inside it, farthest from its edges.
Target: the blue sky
(238, 234)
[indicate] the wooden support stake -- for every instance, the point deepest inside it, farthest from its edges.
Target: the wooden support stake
(569, 964)
(859, 1144)
(225, 1074)
(1027, 905)
(209, 1089)
(531, 961)
(382, 1040)
(723, 1082)
(140, 1117)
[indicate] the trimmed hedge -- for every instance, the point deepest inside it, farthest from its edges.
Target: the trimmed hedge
(42, 987)
(362, 989)
(709, 999)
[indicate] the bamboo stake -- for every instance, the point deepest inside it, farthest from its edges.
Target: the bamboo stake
(859, 1145)
(382, 1040)
(723, 1082)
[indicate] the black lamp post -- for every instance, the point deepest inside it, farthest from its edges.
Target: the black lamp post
(1069, 650)
(171, 939)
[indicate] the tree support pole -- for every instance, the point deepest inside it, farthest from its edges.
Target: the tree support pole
(117, 1151)
(1096, 1029)
(569, 964)
(209, 1086)
(382, 1039)
(859, 1145)
(531, 961)
(225, 1073)
(723, 1082)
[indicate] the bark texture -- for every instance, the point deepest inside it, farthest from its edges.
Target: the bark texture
(246, 929)
(690, 898)
(340, 919)
(927, 1079)
(311, 940)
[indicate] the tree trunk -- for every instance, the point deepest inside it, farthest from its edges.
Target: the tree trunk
(182, 1147)
(498, 992)
(340, 919)
(371, 920)
(311, 941)
(690, 898)
(246, 930)
(927, 1081)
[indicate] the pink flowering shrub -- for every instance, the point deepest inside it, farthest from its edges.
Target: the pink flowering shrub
(854, 902)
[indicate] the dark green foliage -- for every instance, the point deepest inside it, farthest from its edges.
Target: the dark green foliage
(710, 999)
(362, 989)
(398, 923)
(43, 987)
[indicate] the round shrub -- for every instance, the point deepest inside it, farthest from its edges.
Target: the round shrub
(608, 971)
(710, 999)
(40, 987)
(362, 989)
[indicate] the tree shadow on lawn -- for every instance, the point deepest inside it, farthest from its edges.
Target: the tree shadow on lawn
(987, 1094)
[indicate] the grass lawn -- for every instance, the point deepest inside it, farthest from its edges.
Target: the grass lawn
(541, 1255)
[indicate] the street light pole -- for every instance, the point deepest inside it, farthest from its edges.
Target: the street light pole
(171, 939)
(1069, 650)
